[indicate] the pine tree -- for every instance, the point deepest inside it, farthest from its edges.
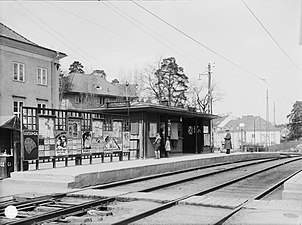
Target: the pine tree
(295, 118)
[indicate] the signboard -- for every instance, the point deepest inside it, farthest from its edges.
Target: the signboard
(126, 141)
(61, 144)
(111, 143)
(74, 128)
(30, 144)
(153, 130)
(117, 129)
(46, 127)
(87, 139)
(207, 139)
(97, 129)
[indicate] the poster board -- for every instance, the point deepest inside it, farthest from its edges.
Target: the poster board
(87, 141)
(74, 128)
(152, 130)
(207, 139)
(126, 141)
(97, 128)
(110, 142)
(61, 144)
(31, 144)
(46, 127)
(117, 129)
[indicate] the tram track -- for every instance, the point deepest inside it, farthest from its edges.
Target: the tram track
(9, 200)
(82, 208)
(174, 202)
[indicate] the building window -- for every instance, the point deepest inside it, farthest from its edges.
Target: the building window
(42, 76)
(77, 99)
(42, 105)
(102, 101)
(17, 106)
(19, 72)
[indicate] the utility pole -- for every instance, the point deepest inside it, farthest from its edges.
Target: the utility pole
(267, 119)
(274, 114)
(210, 105)
(209, 90)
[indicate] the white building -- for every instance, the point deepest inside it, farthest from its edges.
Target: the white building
(248, 130)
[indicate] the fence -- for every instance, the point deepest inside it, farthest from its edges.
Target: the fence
(53, 135)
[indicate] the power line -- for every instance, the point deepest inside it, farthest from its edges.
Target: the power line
(148, 33)
(77, 47)
(271, 36)
(105, 28)
(198, 42)
(47, 31)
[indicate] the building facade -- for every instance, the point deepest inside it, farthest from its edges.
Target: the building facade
(248, 130)
(89, 91)
(29, 73)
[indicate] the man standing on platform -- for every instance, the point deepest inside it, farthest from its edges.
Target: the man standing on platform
(228, 142)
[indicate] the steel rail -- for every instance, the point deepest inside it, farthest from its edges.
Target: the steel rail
(44, 198)
(114, 184)
(74, 209)
(257, 197)
(61, 212)
(200, 176)
(171, 203)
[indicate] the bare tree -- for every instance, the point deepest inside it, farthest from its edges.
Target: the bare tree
(200, 98)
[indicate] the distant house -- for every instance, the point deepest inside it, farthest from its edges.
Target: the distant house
(248, 130)
(89, 91)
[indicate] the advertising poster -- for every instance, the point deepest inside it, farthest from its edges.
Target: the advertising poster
(97, 145)
(153, 130)
(74, 128)
(61, 144)
(46, 127)
(117, 129)
(126, 141)
(207, 139)
(97, 129)
(87, 141)
(30, 144)
(110, 142)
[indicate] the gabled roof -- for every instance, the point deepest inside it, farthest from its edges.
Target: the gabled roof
(7, 32)
(95, 84)
(251, 123)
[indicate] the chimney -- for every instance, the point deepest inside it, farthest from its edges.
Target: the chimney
(100, 73)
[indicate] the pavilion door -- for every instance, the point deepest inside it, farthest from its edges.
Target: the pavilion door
(189, 137)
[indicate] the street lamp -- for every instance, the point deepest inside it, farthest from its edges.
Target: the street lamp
(241, 125)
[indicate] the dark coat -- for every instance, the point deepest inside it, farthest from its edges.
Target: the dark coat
(227, 141)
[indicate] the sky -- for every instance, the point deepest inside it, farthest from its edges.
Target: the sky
(253, 46)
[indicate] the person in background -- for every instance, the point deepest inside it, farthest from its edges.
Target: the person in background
(228, 142)
(156, 144)
(168, 147)
(162, 143)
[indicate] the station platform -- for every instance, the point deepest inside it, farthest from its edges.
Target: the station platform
(55, 180)
(293, 188)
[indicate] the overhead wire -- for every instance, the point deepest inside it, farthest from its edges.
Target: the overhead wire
(94, 62)
(104, 28)
(271, 36)
(198, 42)
(148, 33)
(52, 35)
